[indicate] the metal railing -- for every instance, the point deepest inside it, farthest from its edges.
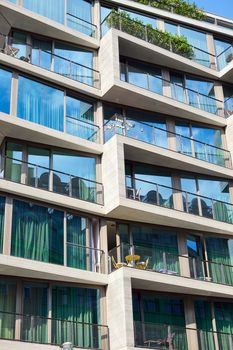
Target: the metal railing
(126, 25)
(82, 128)
(81, 25)
(179, 92)
(45, 178)
(170, 336)
(54, 331)
(45, 59)
(154, 135)
(155, 259)
(225, 57)
(192, 203)
(228, 106)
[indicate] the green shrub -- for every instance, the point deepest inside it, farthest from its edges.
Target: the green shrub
(135, 27)
(180, 7)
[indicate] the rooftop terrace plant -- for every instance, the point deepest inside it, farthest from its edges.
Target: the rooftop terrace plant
(180, 7)
(123, 21)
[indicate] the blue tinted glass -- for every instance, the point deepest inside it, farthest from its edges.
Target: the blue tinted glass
(42, 53)
(144, 19)
(224, 52)
(53, 9)
(199, 45)
(40, 104)
(5, 91)
(79, 16)
(171, 28)
(201, 94)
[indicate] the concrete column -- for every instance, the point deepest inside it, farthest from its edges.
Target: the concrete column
(214, 327)
(99, 120)
(14, 94)
(161, 24)
(50, 313)
(190, 321)
(177, 194)
(228, 135)
(219, 95)
(7, 226)
(166, 83)
(120, 310)
(183, 254)
(19, 310)
(96, 17)
(104, 244)
(211, 50)
(170, 135)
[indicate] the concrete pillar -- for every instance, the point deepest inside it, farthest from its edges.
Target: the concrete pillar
(19, 310)
(211, 50)
(96, 17)
(99, 120)
(190, 321)
(104, 245)
(171, 134)
(166, 83)
(7, 226)
(177, 194)
(214, 327)
(160, 24)
(120, 310)
(183, 254)
(218, 91)
(14, 94)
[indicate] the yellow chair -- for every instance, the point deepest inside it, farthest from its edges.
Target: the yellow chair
(142, 265)
(117, 265)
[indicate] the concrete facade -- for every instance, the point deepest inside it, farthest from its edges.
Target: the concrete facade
(116, 285)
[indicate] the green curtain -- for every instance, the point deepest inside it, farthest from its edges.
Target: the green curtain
(7, 304)
(37, 232)
(161, 316)
(224, 323)
(71, 308)
(2, 216)
(204, 324)
(77, 253)
(35, 310)
(159, 245)
(223, 212)
(13, 168)
(220, 259)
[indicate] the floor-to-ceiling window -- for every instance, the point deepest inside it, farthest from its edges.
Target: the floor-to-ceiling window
(7, 308)
(37, 232)
(224, 52)
(159, 318)
(53, 9)
(40, 103)
(5, 90)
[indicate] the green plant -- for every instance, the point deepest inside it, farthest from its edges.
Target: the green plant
(135, 27)
(180, 7)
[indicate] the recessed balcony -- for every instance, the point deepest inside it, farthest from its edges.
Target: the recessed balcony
(164, 262)
(157, 136)
(192, 203)
(46, 59)
(48, 179)
(171, 336)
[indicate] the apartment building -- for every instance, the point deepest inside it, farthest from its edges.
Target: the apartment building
(116, 203)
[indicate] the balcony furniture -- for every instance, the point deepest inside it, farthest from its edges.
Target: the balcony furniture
(25, 59)
(142, 265)
(133, 193)
(131, 259)
(205, 278)
(168, 272)
(10, 50)
(117, 265)
(168, 342)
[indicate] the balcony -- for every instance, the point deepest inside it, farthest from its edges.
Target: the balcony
(52, 180)
(192, 203)
(153, 135)
(136, 75)
(165, 336)
(179, 46)
(49, 61)
(155, 260)
(37, 329)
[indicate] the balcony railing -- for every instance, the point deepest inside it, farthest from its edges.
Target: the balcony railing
(180, 93)
(157, 260)
(154, 135)
(160, 195)
(43, 330)
(228, 106)
(61, 16)
(168, 336)
(47, 60)
(225, 57)
(52, 180)
(127, 25)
